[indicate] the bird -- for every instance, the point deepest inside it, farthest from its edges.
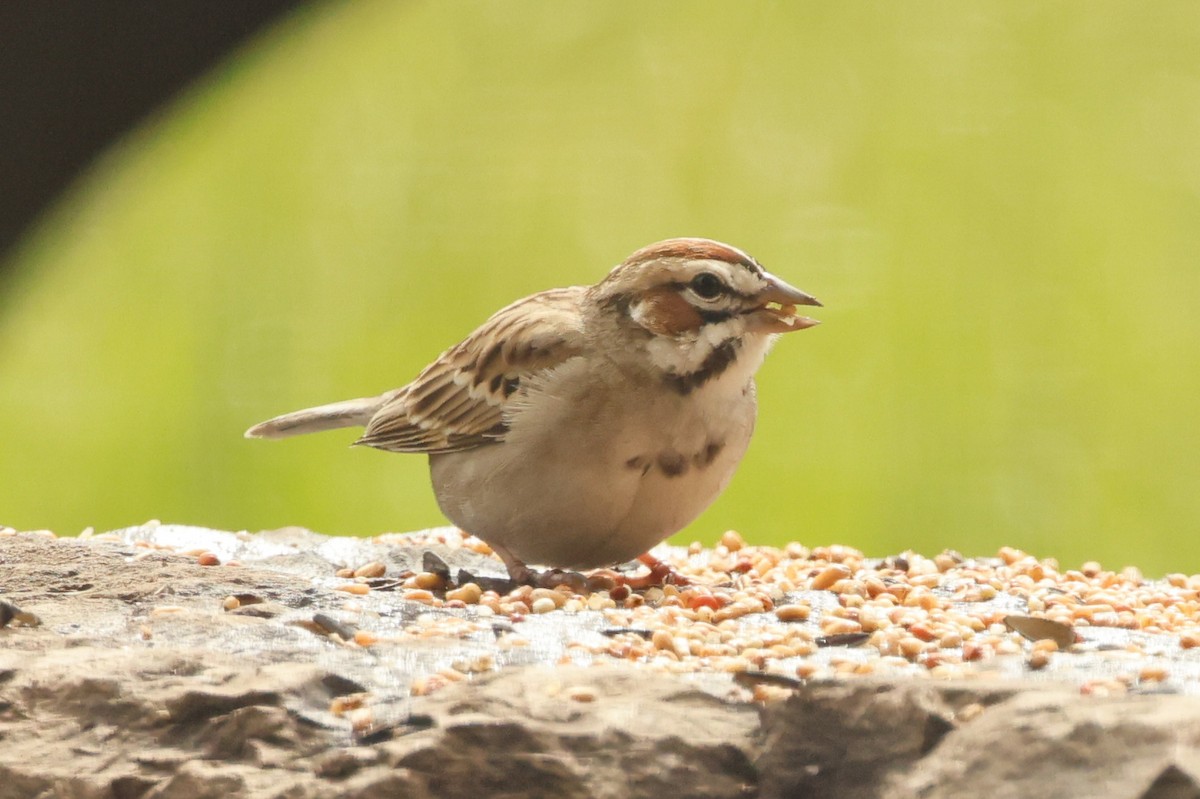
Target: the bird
(579, 427)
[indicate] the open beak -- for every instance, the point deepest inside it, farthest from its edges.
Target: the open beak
(776, 309)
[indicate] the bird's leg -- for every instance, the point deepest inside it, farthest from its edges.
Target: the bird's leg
(517, 570)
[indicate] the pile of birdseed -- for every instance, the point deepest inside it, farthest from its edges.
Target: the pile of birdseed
(831, 612)
(771, 616)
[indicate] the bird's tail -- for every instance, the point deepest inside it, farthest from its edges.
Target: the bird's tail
(347, 413)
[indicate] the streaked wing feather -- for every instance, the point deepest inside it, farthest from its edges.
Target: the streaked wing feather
(460, 400)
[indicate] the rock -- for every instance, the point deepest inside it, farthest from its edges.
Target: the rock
(520, 734)
(1061, 744)
(846, 739)
(145, 681)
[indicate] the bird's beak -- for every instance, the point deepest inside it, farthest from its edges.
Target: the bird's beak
(776, 308)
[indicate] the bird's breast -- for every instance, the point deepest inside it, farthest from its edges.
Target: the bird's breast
(593, 472)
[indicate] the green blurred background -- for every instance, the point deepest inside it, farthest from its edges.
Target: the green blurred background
(998, 202)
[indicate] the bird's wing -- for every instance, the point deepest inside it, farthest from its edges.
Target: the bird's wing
(459, 401)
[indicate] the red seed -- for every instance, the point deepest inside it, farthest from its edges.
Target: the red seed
(922, 631)
(704, 601)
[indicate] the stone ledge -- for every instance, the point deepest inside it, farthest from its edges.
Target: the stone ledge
(140, 683)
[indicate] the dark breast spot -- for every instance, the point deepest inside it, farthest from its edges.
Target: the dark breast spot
(638, 463)
(706, 456)
(671, 463)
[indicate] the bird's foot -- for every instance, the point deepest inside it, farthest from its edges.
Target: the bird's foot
(553, 578)
(659, 574)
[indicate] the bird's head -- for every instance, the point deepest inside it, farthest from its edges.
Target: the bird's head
(697, 305)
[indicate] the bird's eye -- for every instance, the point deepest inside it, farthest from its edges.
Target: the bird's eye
(707, 286)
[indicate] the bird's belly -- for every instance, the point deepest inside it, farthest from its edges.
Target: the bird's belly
(579, 505)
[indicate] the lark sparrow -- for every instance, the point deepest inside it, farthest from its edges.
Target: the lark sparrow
(580, 426)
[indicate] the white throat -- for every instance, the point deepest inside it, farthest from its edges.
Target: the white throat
(712, 359)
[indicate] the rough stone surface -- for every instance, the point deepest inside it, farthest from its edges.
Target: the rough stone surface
(137, 684)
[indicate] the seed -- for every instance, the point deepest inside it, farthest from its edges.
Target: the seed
(944, 562)
(1010, 555)
(477, 545)
(358, 589)
(429, 581)
(910, 646)
(600, 601)
(663, 641)
(792, 612)
(732, 540)
(835, 626)
(969, 712)
(581, 693)
(342, 705)
(515, 609)
(1103, 688)
(950, 640)
(470, 593)
(1045, 645)
(361, 720)
(425, 685)
(922, 631)
(370, 570)
(231, 603)
(557, 597)
(543, 605)
(796, 551)
(696, 599)
(208, 559)
(931, 580)
(829, 576)
(806, 670)
(1153, 674)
